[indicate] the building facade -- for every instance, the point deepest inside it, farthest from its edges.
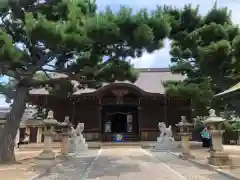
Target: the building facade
(29, 125)
(130, 109)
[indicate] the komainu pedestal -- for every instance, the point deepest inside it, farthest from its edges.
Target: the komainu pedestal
(77, 142)
(72, 141)
(80, 140)
(165, 142)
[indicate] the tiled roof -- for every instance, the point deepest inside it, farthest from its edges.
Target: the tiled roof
(149, 80)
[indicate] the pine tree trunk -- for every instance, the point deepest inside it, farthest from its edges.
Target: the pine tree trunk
(7, 138)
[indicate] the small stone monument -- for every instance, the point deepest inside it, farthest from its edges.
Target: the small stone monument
(80, 140)
(217, 155)
(65, 136)
(185, 133)
(165, 142)
(50, 123)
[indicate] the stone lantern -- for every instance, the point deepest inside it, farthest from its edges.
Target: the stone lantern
(185, 127)
(217, 156)
(65, 136)
(49, 123)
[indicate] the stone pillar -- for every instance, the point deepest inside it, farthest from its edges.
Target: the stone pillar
(50, 123)
(65, 136)
(185, 134)
(217, 155)
(39, 135)
(185, 145)
(64, 143)
(28, 131)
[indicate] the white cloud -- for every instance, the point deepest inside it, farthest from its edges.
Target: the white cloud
(159, 58)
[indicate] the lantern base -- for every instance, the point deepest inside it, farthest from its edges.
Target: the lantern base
(165, 144)
(45, 159)
(219, 159)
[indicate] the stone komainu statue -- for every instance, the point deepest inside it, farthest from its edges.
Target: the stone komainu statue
(165, 131)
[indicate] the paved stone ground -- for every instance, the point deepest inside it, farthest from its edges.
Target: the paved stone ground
(20, 171)
(186, 169)
(74, 168)
(23, 169)
(234, 152)
(128, 164)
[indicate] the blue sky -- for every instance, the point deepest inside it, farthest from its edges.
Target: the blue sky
(161, 58)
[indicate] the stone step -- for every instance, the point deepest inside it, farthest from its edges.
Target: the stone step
(121, 145)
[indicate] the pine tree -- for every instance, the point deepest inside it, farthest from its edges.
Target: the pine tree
(69, 37)
(205, 48)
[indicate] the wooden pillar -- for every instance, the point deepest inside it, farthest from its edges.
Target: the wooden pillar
(101, 130)
(165, 109)
(72, 120)
(28, 131)
(138, 119)
(39, 135)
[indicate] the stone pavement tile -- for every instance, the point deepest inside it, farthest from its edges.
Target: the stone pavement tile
(187, 169)
(129, 176)
(232, 172)
(71, 169)
(129, 164)
(108, 178)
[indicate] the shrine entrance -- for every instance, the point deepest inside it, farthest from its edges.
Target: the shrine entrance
(120, 119)
(118, 122)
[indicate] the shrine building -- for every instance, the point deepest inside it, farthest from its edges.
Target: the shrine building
(130, 109)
